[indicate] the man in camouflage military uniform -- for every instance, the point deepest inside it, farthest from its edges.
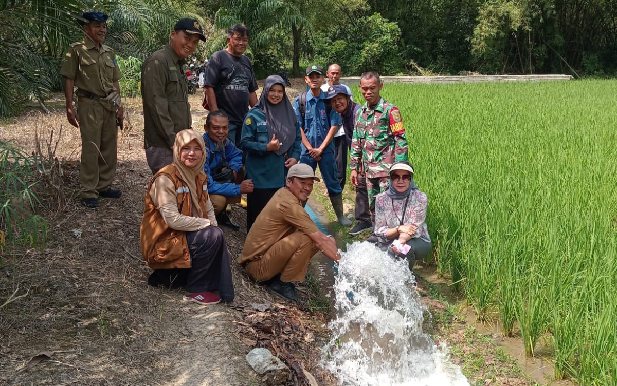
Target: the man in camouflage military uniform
(164, 91)
(378, 139)
(91, 66)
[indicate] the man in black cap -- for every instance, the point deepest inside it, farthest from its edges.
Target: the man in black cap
(230, 81)
(90, 66)
(164, 91)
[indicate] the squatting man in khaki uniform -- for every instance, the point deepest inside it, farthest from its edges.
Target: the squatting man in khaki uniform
(164, 92)
(283, 239)
(91, 67)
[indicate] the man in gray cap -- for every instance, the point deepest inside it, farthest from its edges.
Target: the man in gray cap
(164, 91)
(90, 66)
(283, 239)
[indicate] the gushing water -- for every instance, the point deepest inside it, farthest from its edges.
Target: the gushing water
(377, 336)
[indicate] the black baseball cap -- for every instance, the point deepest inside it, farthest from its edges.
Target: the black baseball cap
(190, 26)
(314, 68)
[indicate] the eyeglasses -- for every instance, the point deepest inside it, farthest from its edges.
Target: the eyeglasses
(398, 177)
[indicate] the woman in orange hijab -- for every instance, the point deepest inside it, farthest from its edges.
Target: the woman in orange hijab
(180, 238)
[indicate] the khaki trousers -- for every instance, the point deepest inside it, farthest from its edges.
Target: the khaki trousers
(99, 146)
(220, 202)
(158, 158)
(289, 256)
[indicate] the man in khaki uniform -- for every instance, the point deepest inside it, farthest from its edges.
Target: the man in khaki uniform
(283, 239)
(91, 67)
(164, 92)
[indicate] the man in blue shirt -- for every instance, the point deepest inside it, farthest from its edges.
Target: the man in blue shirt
(319, 124)
(223, 167)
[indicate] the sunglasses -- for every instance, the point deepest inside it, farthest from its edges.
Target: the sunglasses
(398, 177)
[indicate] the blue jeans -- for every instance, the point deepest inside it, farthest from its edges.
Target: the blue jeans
(327, 167)
(235, 133)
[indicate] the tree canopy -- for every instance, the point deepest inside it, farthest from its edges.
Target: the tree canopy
(578, 37)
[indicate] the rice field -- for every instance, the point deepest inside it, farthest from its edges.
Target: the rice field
(522, 187)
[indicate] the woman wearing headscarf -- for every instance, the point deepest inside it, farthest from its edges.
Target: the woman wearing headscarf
(179, 235)
(271, 142)
(400, 216)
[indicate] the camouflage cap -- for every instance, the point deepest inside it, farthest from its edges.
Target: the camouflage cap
(190, 26)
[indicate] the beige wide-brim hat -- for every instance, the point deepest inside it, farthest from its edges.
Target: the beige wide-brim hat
(302, 171)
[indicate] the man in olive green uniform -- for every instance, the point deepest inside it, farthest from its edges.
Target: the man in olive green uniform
(164, 92)
(91, 67)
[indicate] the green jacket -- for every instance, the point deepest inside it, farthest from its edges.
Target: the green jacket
(164, 92)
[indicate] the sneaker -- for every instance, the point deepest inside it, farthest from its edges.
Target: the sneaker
(359, 227)
(203, 297)
(90, 202)
(223, 219)
(110, 193)
(372, 239)
(284, 289)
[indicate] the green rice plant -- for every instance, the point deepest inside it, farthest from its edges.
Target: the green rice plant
(520, 179)
(530, 309)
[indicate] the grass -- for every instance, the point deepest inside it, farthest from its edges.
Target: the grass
(523, 207)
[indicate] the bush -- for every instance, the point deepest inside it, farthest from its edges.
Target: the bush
(370, 43)
(130, 69)
(18, 223)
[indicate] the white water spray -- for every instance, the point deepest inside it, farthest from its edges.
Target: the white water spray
(377, 336)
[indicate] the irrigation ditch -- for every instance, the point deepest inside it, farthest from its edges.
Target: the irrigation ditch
(445, 310)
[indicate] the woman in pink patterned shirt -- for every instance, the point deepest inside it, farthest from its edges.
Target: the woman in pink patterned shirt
(400, 216)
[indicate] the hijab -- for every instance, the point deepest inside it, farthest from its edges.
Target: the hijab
(189, 175)
(280, 118)
(395, 194)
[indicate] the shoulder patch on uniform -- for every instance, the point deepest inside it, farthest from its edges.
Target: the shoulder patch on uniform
(395, 115)
(396, 122)
(248, 121)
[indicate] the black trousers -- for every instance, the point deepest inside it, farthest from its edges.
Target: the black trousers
(341, 148)
(362, 210)
(255, 202)
(210, 266)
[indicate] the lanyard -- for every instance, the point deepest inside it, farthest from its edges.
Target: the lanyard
(404, 209)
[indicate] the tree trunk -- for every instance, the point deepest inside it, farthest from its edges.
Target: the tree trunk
(296, 33)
